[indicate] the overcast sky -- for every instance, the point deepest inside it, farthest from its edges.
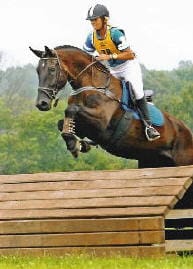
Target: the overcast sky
(159, 31)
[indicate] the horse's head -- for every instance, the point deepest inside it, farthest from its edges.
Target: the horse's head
(51, 79)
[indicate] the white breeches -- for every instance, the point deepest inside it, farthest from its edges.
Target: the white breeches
(130, 71)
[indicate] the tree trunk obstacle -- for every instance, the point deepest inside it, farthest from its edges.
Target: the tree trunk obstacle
(133, 212)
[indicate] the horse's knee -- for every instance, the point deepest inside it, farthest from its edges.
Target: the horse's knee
(71, 111)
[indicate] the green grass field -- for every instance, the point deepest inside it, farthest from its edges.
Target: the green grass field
(83, 262)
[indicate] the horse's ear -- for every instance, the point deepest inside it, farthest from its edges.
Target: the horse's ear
(48, 52)
(38, 53)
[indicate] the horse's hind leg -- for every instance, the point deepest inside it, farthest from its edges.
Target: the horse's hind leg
(151, 160)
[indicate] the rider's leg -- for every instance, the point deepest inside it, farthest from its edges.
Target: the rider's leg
(131, 73)
(135, 78)
(141, 104)
(150, 131)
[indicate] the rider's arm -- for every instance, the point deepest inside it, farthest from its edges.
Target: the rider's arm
(119, 39)
(126, 54)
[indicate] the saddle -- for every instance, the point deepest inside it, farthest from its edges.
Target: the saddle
(127, 104)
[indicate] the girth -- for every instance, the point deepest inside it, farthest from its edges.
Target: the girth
(121, 128)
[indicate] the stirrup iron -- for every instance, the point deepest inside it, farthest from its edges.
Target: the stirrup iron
(157, 135)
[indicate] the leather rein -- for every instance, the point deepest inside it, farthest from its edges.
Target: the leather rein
(52, 92)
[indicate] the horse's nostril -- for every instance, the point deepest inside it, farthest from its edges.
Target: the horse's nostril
(43, 103)
(43, 106)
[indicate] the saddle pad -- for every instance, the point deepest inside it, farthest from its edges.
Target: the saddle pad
(156, 116)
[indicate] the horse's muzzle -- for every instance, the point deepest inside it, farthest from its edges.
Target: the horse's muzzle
(43, 106)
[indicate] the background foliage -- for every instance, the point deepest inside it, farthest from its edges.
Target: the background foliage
(30, 141)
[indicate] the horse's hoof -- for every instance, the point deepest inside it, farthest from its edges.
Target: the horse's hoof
(73, 145)
(85, 147)
(76, 149)
(75, 154)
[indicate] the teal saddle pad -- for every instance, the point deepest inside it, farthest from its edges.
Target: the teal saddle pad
(156, 116)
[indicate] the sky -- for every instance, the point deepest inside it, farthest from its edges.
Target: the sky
(159, 31)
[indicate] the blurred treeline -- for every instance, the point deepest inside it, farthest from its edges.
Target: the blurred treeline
(30, 141)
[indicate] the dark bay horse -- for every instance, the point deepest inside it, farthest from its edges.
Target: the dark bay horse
(94, 112)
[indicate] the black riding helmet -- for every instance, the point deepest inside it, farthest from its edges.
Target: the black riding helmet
(97, 11)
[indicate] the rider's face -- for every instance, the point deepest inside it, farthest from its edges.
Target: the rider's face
(97, 23)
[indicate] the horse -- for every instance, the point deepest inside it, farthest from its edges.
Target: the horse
(94, 115)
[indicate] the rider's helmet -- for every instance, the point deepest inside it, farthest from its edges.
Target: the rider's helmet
(97, 11)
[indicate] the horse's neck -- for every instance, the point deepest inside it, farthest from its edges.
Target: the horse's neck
(74, 63)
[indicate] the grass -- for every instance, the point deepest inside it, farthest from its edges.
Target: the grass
(84, 262)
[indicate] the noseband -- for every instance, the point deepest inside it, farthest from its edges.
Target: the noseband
(52, 92)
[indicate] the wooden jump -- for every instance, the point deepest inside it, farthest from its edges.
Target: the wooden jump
(96, 212)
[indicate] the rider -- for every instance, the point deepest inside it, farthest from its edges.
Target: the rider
(111, 45)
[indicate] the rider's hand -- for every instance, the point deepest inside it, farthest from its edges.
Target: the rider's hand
(103, 57)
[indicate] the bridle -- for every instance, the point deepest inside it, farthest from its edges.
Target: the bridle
(52, 92)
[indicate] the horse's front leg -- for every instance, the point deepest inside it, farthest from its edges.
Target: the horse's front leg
(67, 128)
(74, 145)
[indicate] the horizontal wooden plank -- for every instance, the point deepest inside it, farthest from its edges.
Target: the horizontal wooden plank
(90, 203)
(183, 171)
(83, 213)
(127, 251)
(83, 239)
(82, 225)
(173, 246)
(94, 184)
(180, 213)
(66, 194)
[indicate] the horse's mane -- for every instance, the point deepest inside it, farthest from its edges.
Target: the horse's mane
(98, 64)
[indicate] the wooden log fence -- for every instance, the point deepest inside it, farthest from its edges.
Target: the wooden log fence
(133, 212)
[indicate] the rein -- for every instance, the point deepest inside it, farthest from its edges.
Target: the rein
(104, 90)
(82, 71)
(52, 92)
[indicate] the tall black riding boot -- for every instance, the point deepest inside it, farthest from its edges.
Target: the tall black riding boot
(150, 132)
